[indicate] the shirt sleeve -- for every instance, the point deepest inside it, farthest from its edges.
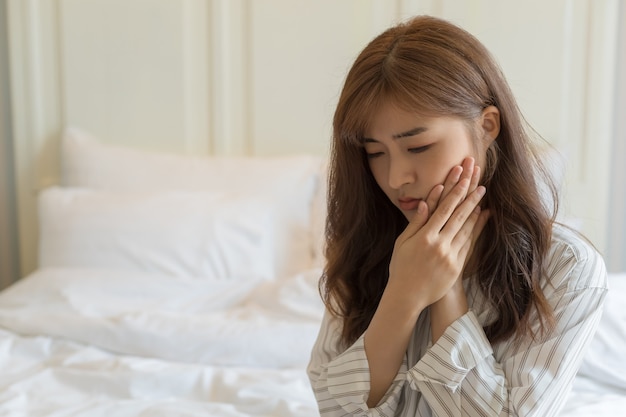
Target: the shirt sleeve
(341, 379)
(461, 375)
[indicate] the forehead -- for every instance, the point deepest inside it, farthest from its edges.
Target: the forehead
(391, 119)
(390, 112)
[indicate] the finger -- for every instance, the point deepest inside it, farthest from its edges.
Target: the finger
(417, 222)
(467, 169)
(461, 213)
(475, 179)
(453, 178)
(463, 241)
(468, 246)
(447, 206)
(435, 195)
(480, 224)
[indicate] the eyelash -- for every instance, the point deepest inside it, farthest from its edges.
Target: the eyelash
(419, 149)
(411, 150)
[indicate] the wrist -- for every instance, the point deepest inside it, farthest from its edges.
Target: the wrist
(402, 302)
(454, 302)
(446, 311)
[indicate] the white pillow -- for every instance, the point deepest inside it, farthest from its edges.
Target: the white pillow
(87, 162)
(173, 233)
(289, 181)
(318, 219)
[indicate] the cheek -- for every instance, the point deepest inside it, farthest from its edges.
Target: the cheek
(439, 166)
(442, 164)
(380, 173)
(479, 152)
(481, 160)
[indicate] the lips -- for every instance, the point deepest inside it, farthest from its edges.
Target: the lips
(407, 204)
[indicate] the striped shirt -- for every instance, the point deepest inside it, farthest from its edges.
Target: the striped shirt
(463, 374)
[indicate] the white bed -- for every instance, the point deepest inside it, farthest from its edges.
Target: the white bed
(179, 286)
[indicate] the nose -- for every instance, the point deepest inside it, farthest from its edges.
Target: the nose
(401, 172)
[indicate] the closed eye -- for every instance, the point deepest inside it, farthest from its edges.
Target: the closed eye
(419, 149)
(372, 155)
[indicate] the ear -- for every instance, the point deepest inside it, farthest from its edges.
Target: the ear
(490, 123)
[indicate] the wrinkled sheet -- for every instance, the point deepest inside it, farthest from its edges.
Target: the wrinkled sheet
(98, 343)
(592, 398)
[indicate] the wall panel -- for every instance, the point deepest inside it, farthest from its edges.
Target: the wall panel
(300, 52)
(8, 217)
(229, 92)
(616, 218)
(36, 111)
(136, 71)
(559, 58)
(232, 77)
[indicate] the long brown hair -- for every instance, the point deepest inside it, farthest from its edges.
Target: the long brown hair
(431, 66)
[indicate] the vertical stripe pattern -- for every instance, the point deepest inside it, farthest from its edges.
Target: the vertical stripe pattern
(463, 374)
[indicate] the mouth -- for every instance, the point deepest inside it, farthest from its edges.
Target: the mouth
(407, 204)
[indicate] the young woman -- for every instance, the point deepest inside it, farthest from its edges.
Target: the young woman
(450, 289)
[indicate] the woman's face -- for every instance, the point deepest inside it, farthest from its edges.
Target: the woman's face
(409, 154)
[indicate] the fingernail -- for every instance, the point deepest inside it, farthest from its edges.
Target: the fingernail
(481, 190)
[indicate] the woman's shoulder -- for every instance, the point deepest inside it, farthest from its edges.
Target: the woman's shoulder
(573, 261)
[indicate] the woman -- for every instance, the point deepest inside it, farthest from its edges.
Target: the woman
(450, 289)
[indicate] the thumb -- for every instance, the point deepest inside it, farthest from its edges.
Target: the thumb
(419, 219)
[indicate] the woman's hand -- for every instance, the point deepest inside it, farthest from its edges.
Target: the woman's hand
(454, 304)
(429, 256)
(467, 170)
(427, 260)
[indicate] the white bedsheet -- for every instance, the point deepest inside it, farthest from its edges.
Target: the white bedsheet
(42, 376)
(589, 398)
(101, 343)
(251, 322)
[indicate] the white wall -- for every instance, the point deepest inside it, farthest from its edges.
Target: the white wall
(262, 77)
(616, 248)
(8, 231)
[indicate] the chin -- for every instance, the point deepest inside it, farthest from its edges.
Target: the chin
(408, 214)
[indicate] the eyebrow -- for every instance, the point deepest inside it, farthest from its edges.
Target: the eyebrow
(413, 132)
